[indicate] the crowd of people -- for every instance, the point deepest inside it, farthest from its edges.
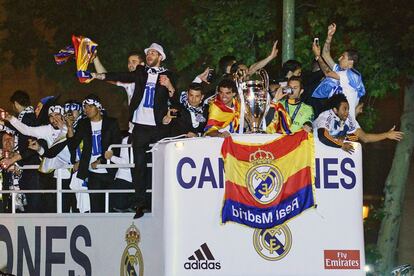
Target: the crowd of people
(75, 137)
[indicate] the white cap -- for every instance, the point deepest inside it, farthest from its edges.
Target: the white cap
(157, 47)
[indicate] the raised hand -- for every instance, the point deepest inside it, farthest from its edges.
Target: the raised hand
(316, 49)
(279, 94)
(203, 76)
(331, 29)
(274, 52)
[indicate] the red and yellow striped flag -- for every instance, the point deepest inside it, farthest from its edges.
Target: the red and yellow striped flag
(220, 116)
(281, 122)
(268, 184)
(85, 50)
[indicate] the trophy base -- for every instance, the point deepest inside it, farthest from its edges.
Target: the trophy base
(256, 131)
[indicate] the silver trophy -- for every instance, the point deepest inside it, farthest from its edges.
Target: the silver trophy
(254, 98)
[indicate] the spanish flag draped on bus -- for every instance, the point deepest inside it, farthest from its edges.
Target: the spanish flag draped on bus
(268, 184)
(221, 116)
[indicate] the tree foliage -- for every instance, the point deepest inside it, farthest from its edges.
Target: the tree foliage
(240, 28)
(198, 33)
(35, 30)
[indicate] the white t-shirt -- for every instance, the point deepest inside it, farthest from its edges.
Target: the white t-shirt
(336, 128)
(144, 114)
(96, 145)
(350, 93)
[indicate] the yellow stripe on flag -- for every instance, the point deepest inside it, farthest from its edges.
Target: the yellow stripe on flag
(288, 165)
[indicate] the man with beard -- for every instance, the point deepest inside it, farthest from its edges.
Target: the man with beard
(134, 59)
(53, 134)
(148, 106)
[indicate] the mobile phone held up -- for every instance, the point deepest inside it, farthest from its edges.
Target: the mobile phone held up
(210, 75)
(316, 40)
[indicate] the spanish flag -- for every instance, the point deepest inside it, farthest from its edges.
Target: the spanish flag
(268, 184)
(83, 50)
(220, 116)
(281, 122)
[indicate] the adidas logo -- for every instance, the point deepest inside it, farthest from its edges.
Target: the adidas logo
(202, 259)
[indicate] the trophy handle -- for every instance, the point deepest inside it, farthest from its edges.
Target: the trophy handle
(265, 78)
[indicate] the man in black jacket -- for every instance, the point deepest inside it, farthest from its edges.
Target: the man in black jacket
(97, 132)
(148, 106)
(29, 180)
(189, 115)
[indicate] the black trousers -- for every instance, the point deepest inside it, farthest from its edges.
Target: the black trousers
(48, 200)
(142, 137)
(121, 201)
(68, 199)
(30, 181)
(99, 181)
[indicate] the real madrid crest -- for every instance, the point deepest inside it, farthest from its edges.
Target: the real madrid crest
(132, 263)
(273, 244)
(263, 179)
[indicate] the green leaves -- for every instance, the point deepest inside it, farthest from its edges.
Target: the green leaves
(198, 33)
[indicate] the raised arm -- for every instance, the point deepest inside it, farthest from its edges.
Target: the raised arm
(38, 132)
(262, 63)
(324, 67)
(326, 52)
(125, 77)
(98, 65)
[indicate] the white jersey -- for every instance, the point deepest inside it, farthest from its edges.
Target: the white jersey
(350, 93)
(52, 137)
(144, 114)
(335, 126)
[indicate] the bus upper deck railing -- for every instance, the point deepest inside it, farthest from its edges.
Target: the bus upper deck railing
(59, 191)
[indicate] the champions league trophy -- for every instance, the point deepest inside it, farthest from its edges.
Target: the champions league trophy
(254, 98)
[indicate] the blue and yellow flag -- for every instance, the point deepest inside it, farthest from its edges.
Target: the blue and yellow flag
(268, 184)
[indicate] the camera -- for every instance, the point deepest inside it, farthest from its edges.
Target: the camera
(287, 90)
(210, 75)
(176, 113)
(316, 41)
